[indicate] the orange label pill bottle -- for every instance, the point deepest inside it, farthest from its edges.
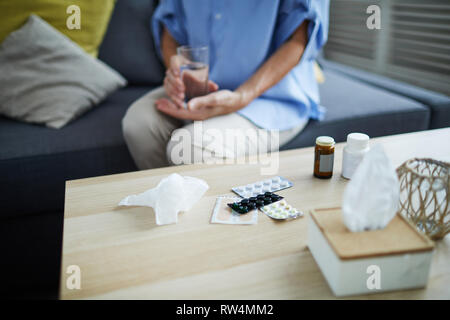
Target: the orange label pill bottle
(324, 157)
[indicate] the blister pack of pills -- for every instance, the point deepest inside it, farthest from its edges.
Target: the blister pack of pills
(247, 204)
(222, 213)
(269, 185)
(281, 210)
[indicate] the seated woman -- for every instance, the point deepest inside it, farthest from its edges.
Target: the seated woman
(261, 71)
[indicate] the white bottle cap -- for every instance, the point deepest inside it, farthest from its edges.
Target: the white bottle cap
(325, 141)
(357, 141)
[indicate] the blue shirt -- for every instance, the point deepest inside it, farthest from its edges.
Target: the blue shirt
(241, 36)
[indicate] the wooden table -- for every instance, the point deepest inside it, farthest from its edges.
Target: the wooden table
(123, 254)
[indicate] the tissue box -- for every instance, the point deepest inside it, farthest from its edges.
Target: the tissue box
(396, 257)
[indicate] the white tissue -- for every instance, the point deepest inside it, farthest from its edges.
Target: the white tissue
(371, 198)
(173, 194)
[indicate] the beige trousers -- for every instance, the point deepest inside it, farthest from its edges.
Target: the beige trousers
(157, 140)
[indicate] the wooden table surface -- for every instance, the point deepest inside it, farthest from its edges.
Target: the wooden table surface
(123, 254)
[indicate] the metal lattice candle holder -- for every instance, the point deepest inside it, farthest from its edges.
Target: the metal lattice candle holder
(425, 195)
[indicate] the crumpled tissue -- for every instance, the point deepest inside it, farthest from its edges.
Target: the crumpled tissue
(173, 194)
(371, 198)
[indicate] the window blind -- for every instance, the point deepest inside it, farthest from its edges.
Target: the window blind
(413, 44)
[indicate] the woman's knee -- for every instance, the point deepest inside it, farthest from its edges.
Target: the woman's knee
(132, 124)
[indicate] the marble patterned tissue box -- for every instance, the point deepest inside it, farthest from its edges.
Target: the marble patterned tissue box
(396, 257)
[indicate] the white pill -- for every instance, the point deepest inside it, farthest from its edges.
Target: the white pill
(284, 183)
(276, 180)
(267, 182)
(249, 187)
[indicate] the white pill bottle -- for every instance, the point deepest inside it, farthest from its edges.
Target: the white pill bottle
(355, 150)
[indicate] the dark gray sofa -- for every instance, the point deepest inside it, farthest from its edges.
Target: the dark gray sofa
(36, 161)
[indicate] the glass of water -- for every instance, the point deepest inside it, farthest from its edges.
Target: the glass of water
(194, 70)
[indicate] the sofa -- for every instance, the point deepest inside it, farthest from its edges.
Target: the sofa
(35, 161)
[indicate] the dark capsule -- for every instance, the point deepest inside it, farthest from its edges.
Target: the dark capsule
(267, 200)
(252, 199)
(244, 202)
(259, 203)
(260, 196)
(268, 194)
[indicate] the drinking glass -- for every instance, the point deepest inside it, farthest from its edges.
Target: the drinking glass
(194, 70)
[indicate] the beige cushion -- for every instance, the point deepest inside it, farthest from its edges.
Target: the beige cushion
(46, 78)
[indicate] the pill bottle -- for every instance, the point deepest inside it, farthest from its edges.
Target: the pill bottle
(324, 157)
(355, 150)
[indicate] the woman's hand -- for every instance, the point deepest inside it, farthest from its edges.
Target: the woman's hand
(201, 108)
(174, 85)
(225, 101)
(172, 82)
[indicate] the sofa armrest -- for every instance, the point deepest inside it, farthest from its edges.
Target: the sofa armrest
(438, 103)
